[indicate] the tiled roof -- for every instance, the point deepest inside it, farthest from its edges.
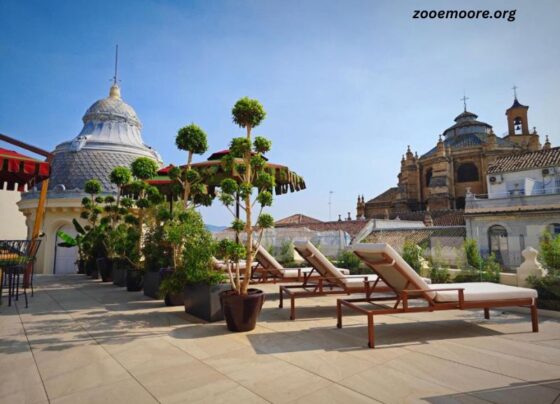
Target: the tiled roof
(296, 219)
(73, 169)
(452, 237)
(445, 217)
(526, 161)
(386, 196)
(471, 140)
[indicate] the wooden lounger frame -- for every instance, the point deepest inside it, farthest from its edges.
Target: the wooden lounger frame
(274, 275)
(402, 299)
(322, 286)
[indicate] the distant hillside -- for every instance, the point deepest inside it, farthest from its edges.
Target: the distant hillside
(215, 229)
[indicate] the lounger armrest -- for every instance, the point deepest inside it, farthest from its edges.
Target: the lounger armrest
(460, 292)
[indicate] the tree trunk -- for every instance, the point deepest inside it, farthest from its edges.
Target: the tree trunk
(187, 186)
(248, 224)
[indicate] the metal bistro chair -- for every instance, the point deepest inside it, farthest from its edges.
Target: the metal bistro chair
(15, 257)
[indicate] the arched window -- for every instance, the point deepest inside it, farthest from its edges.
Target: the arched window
(497, 241)
(518, 125)
(428, 176)
(467, 172)
(554, 228)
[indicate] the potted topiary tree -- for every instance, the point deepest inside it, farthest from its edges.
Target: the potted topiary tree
(93, 239)
(142, 169)
(242, 305)
(193, 140)
(120, 176)
(156, 250)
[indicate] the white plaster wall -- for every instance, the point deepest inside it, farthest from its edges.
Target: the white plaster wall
(531, 181)
(524, 230)
(12, 221)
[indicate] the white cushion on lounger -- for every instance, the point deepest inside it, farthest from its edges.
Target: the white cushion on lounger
(316, 258)
(409, 279)
(480, 291)
(267, 260)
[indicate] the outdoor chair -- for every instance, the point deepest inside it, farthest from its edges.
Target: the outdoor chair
(329, 280)
(15, 257)
(269, 269)
(408, 285)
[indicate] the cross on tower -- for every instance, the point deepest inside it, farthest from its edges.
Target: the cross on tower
(464, 99)
(514, 88)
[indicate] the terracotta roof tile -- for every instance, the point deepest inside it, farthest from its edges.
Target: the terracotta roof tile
(296, 219)
(526, 161)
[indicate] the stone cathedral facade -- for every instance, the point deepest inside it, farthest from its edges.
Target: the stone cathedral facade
(439, 179)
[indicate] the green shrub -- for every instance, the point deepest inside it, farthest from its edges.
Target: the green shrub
(287, 253)
(474, 260)
(550, 251)
(349, 260)
(412, 254)
(548, 288)
(439, 272)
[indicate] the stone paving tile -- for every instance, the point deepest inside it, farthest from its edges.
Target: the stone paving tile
(85, 341)
(269, 377)
(335, 394)
(127, 391)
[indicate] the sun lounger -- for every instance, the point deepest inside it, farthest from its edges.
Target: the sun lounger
(269, 269)
(408, 285)
(221, 265)
(328, 279)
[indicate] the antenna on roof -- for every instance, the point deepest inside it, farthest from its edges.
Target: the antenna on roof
(464, 99)
(330, 203)
(115, 77)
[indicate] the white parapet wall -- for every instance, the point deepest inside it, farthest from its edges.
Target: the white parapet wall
(331, 243)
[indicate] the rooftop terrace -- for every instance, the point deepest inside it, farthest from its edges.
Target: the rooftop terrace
(81, 341)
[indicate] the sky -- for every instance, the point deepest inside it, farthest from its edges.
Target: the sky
(347, 85)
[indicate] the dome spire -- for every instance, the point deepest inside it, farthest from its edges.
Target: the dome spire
(115, 91)
(464, 99)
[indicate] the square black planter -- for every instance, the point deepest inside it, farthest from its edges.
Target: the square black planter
(203, 301)
(151, 284)
(119, 275)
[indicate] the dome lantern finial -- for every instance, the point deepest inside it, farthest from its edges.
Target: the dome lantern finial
(115, 91)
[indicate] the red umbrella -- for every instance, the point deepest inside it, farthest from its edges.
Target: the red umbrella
(18, 170)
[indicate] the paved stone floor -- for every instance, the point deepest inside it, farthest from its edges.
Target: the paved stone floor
(81, 341)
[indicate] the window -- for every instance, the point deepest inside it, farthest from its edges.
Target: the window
(554, 228)
(460, 202)
(467, 172)
(518, 124)
(497, 241)
(428, 176)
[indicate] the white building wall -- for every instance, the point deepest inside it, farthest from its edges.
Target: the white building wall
(527, 182)
(12, 221)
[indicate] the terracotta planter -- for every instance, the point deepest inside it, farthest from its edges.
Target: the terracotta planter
(242, 311)
(134, 280)
(105, 269)
(203, 301)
